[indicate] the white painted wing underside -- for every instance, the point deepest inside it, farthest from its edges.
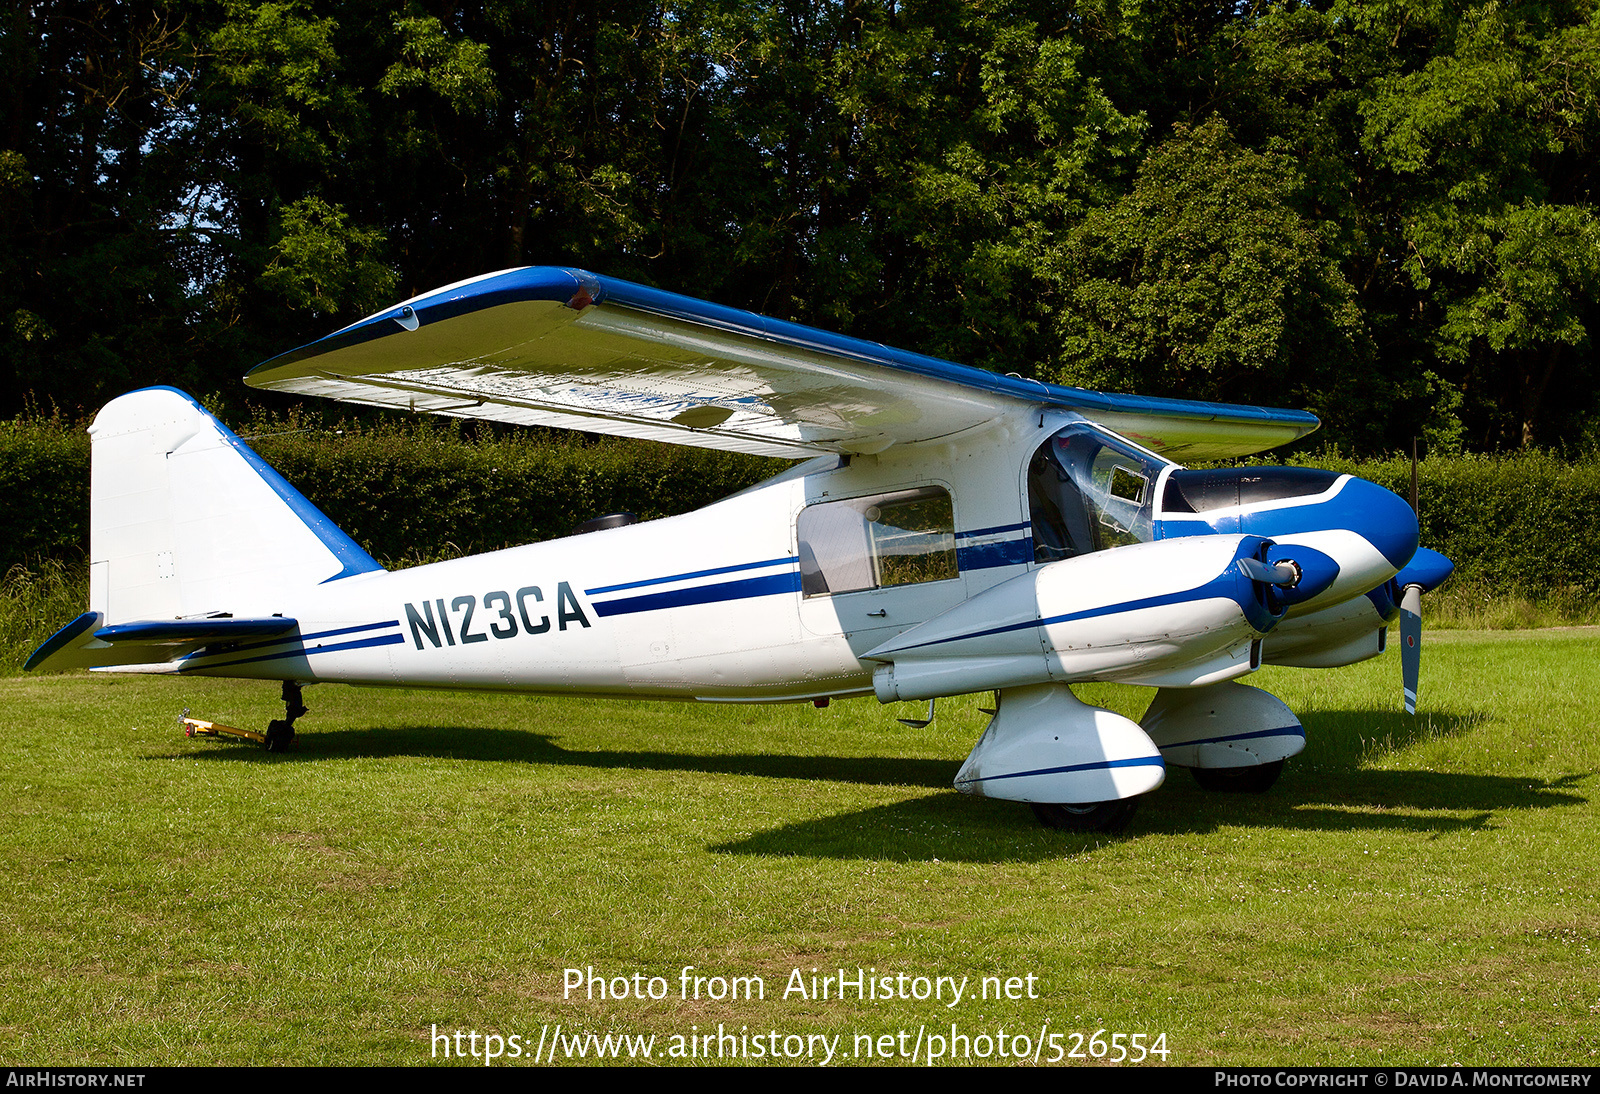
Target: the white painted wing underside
(637, 367)
(613, 370)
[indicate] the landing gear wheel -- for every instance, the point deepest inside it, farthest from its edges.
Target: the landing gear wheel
(1238, 780)
(1112, 816)
(280, 731)
(280, 735)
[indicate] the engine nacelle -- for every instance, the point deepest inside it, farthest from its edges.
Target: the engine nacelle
(1174, 613)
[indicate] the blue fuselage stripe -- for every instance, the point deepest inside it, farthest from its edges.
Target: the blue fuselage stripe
(995, 531)
(702, 594)
(787, 561)
(349, 630)
(381, 640)
(980, 556)
(986, 556)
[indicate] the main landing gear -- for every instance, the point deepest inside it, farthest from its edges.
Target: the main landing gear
(280, 731)
(1238, 780)
(1109, 817)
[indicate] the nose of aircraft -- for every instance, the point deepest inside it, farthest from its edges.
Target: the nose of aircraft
(1381, 517)
(1286, 503)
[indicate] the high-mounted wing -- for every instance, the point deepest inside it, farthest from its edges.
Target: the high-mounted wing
(567, 348)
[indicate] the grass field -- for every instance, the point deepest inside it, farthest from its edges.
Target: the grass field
(1414, 891)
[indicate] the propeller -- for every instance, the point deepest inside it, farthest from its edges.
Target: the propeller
(1411, 643)
(1411, 614)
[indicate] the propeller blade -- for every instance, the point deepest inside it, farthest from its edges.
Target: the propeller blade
(1411, 643)
(1411, 613)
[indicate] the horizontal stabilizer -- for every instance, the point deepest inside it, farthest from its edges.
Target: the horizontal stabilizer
(58, 651)
(84, 644)
(182, 631)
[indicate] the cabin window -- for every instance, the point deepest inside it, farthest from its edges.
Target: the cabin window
(1088, 492)
(901, 538)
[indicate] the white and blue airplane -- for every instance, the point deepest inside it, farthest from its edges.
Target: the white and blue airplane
(950, 531)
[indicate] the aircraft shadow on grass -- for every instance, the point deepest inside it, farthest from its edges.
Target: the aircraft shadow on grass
(519, 746)
(952, 828)
(1343, 738)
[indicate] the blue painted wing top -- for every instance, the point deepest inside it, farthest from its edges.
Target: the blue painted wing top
(571, 349)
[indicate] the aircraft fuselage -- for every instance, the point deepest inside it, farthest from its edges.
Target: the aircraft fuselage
(777, 593)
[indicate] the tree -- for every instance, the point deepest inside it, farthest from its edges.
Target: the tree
(92, 182)
(1492, 142)
(1206, 282)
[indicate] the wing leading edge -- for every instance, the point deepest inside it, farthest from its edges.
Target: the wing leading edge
(571, 349)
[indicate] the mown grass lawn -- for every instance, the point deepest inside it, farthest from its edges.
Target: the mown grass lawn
(1413, 891)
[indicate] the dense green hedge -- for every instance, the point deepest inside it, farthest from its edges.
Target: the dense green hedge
(44, 491)
(1526, 523)
(411, 491)
(419, 489)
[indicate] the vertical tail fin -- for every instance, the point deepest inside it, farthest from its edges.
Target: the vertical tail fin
(186, 521)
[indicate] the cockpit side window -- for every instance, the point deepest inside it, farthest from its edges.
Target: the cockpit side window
(867, 543)
(1087, 493)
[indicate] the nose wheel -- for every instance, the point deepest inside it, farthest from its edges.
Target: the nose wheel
(280, 731)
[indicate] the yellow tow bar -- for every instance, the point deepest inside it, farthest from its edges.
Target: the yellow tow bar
(194, 727)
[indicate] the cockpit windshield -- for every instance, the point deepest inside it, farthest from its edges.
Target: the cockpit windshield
(1089, 490)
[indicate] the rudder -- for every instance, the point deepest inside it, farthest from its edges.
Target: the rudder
(187, 521)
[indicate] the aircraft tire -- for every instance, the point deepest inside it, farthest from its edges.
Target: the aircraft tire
(280, 735)
(1238, 780)
(1112, 816)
